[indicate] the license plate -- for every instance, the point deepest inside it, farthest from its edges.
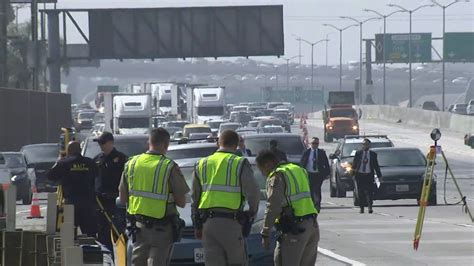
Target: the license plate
(199, 255)
(402, 188)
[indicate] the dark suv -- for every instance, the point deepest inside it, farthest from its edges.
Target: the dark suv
(341, 161)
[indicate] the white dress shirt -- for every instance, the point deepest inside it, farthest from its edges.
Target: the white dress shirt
(366, 158)
(309, 165)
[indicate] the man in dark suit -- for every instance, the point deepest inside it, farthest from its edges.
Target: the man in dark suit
(365, 166)
(315, 161)
(242, 150)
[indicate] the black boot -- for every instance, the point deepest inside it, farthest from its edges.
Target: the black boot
(370, 209)
(361, 209)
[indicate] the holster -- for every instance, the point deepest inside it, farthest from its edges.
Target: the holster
(246, 220)
(132, 228)
(288, 223)
(178, 225)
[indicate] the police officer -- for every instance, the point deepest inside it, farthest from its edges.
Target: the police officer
(152, 185)
(222, 183)
(289, 201)
(76, 174)
(110, 164)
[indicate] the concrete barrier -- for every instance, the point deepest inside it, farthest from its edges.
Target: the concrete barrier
(418, 117)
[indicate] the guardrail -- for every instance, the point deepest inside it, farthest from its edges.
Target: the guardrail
(460, 123)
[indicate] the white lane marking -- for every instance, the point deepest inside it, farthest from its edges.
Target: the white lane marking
(383, 214)
(339, 257)
(330, 203)
(466, 225)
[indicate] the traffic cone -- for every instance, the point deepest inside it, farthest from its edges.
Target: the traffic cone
(35, 212)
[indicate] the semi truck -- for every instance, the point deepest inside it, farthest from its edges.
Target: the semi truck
(339, 116)
(127, 113)
(161, 97)
(205, 103)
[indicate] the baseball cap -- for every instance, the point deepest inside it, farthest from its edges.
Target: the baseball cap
(104, 138)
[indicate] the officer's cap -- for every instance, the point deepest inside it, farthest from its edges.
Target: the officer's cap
(104, 138)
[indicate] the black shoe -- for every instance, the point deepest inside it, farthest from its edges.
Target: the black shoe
(370, 210)
(361, 210)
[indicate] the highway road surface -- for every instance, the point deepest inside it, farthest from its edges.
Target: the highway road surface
(386, 236)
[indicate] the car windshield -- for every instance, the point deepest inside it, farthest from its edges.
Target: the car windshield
(129, 147)
(273, 122)
(164, 103)
(172, 130)
(210, 111)
(224, 127)
(288, 144)
(191, 152)
(190, 130)
(14, 161)
(282, 116)
(271, 129)
(134, 122)
(86, 115)
(179, 124)
(214, 124)
(261, 180)
(342, 113)
(349, 149)
(41, 153)
(394, 158)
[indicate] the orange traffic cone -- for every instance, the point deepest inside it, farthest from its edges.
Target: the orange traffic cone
(35, 212)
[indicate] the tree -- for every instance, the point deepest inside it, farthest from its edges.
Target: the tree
(17, 50)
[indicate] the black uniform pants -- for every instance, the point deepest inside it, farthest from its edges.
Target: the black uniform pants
(365, 184)
(315, 183)
(86, 219)
(104, 236)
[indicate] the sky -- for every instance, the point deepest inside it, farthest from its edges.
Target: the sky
(304, 18)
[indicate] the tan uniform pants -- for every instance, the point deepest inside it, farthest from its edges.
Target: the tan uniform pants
(299, 249)
(223, 243)
(153, 246)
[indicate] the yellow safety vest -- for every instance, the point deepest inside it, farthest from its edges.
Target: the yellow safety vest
(219, 176)
(148, 188)
(297, 193)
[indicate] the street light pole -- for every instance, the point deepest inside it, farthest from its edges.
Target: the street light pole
(288, 70)
(384, 98)
(312, 67)
(410, 93)
(360, 22)
(443, 104)
(340, 48)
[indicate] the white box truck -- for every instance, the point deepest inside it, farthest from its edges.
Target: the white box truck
(128, 113)
(208, 103)
(161, 94)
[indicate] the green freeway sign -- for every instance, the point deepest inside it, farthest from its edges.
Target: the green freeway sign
(458, 47)
(397, 49)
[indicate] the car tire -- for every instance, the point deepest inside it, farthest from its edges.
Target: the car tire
(433, 199)
(327, 138)
(332, 190)
(26, 200)
(340, 193)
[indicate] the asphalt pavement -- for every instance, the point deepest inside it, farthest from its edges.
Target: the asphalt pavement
(386, 236)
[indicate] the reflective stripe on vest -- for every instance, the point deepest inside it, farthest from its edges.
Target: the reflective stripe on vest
(148, 177)
(297, 193)
(219, 175)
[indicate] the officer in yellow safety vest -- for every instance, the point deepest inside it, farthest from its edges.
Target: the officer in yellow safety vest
(222, 183)
(291, 210)
(152, 186)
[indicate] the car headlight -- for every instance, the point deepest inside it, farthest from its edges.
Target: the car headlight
(347, 166)
(257, 227)
(329, 126)
(355, 127)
